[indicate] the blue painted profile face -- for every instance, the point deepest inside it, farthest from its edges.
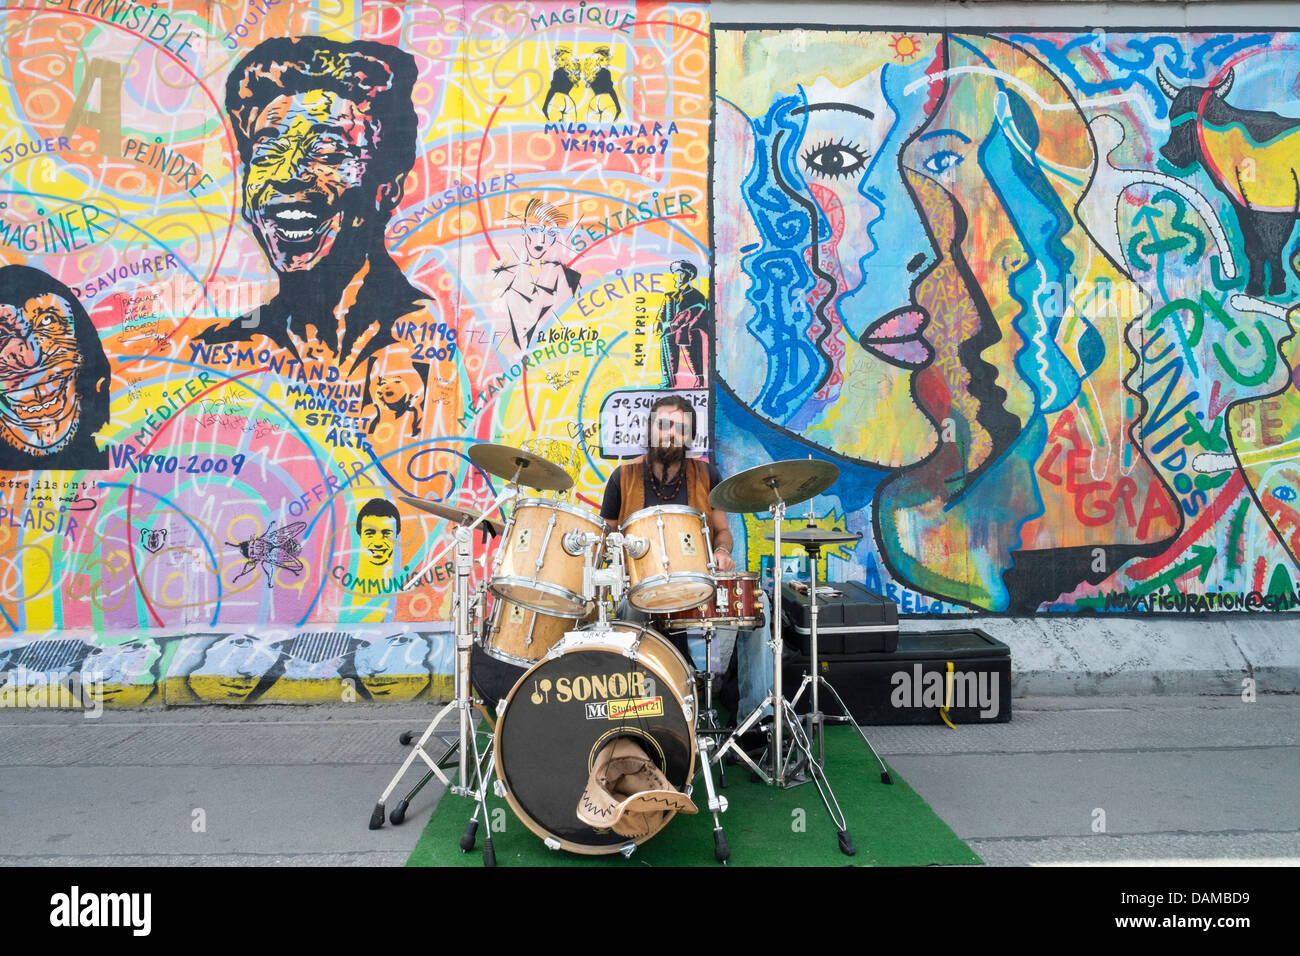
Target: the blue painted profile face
(841, 246)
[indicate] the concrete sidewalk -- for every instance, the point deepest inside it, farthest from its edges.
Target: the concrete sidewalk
(1189, 779)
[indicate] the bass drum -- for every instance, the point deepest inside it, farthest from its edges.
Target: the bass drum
(625, 681)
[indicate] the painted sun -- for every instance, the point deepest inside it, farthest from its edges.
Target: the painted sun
(905, 47)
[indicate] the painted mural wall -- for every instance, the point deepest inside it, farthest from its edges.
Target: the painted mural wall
(1033, 294)
(268, 269)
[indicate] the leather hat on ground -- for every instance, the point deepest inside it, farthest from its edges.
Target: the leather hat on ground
(627, 793)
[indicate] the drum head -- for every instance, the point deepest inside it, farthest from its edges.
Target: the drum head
(675, 592)
(561, 713)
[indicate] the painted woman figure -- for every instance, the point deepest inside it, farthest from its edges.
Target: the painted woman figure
(893, 310)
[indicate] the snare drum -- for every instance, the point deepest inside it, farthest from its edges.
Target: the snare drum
(734, 603)
(623, 681)
(532, 566)
(674, 572)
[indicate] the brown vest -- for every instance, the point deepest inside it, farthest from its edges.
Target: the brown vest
(631, 486)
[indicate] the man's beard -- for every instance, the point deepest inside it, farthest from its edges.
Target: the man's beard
(668, 455)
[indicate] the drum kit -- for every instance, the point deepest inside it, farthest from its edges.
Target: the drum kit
(589, 682)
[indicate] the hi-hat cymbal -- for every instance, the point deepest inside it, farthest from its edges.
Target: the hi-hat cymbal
(451, 513)
(757, 489)
(816, 536)
(534, 470)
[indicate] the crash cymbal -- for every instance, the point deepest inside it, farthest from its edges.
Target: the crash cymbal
(816, 536)
(451, 512)
(757, 489)
(534, 470)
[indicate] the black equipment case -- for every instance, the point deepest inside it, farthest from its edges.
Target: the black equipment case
(850, 619)
(910, 685)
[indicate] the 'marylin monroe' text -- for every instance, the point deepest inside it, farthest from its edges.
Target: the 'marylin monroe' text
(103, 909)
(968, 689)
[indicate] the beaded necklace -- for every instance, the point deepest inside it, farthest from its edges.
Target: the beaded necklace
(667, 491)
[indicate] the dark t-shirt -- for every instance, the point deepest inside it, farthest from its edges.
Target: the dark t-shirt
(612, 503)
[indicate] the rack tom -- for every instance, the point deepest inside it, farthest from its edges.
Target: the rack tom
(518, 635)
(674, 569)
(533, 567)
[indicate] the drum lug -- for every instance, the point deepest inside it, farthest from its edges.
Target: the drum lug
(627, 849)
(499, 788)
(688, 707)
(663, 543)
(551, 843)
(546, 543)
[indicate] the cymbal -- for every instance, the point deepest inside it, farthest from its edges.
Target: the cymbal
(816, 536)
(756, 489)
(451, 513)
(534, 470)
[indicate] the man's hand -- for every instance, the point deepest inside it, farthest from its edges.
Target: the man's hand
(722, 560)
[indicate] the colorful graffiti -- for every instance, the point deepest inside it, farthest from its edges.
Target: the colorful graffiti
(1014, 286)
(266, 270)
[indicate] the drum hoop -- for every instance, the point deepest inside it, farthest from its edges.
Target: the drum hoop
(661, 509)
(673, 577)
(737, 575)
(698, 623)
(545, 587)
(578, 511)
(507, 658)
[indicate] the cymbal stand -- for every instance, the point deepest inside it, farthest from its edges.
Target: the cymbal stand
(462, 702)
(815, 680)
(774, 698)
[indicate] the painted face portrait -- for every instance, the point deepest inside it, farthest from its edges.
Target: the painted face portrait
(1031, 378)
(305, 189)
(53, 374)
(232, 668)
(39, 364)
(830, 242)
(540, 237)
(393, 667)
(121, 673)
(377, 537)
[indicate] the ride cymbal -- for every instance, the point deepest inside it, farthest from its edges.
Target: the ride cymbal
(534, 470)
(758, 489)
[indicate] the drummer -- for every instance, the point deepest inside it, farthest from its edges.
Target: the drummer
(666, 476)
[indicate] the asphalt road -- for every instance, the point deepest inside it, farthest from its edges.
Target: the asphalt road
(1099, 780)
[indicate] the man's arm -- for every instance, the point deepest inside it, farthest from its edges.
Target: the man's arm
(722, 543)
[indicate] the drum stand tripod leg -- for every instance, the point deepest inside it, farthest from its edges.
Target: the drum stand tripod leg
(848, 716)
(801, 742)
(480, 805)
(377, 815)
(732, 742)
(717, 804)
